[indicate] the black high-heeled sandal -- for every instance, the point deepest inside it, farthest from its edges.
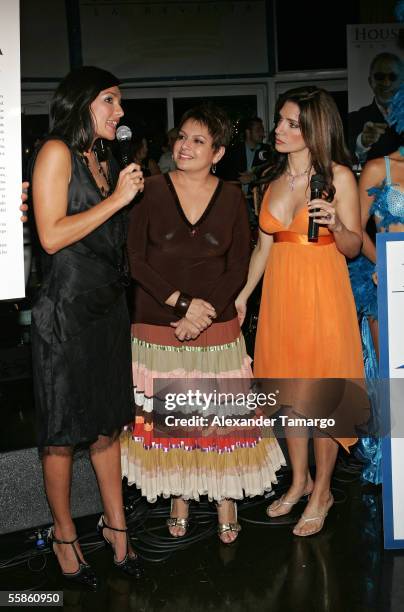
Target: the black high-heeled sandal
(84, 575)
(130, 564)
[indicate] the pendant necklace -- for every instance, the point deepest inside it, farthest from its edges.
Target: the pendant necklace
(292, 177)
(104, 192)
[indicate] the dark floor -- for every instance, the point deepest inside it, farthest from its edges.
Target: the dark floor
(343, 569)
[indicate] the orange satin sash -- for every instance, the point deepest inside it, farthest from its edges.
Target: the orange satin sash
(302, 239)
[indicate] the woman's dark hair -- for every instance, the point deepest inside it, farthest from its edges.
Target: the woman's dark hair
(70, 109)
(322, 131)
(137, 143)
(214, 119)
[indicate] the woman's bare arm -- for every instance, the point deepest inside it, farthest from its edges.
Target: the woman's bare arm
(343, 213)
(372, 174)
(256, 269)
(51, 179)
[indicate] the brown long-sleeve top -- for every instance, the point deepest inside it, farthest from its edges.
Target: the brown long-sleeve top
(207, 260)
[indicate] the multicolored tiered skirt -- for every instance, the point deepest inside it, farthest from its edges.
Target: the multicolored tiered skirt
(221, 461)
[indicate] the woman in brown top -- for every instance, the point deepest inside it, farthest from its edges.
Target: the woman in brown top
(189, 249)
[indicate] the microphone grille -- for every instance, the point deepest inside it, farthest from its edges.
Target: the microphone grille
(123, 133)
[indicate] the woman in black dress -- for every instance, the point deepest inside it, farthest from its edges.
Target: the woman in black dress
(80, 331)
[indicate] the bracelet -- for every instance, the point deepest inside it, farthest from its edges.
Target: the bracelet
(182, 305)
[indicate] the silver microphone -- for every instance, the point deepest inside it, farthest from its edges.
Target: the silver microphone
(124, 138)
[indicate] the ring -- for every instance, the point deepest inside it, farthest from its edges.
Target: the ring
(328, 217)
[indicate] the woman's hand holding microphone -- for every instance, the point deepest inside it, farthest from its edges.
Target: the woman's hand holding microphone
(130, 183)
(324, 213)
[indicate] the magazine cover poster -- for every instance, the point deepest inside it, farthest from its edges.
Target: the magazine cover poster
(375, 72)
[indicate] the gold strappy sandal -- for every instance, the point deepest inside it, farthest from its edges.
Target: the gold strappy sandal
(225, 527)
(175, 521)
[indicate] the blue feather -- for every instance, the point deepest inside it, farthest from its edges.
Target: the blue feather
(363, 287)
(399, 10)
(396, 110)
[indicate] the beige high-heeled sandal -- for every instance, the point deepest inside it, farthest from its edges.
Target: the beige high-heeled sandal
(282, 502)
(320, 517)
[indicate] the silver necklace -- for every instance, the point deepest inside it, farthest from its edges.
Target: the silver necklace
(292, 177)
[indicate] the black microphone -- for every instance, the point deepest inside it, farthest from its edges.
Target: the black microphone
(124, 138)
(317, 185)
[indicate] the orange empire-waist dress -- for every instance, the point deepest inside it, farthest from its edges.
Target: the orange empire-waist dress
(307, 326)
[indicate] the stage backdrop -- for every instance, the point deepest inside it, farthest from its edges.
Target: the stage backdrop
(11, 239)
(390, 268)
(173, 38)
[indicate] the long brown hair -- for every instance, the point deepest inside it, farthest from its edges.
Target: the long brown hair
(322, 131)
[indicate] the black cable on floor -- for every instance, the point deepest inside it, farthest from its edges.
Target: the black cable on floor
(156, 548)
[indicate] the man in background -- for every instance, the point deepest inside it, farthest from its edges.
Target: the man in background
(369, 134)
(241, 164)
(166, 162)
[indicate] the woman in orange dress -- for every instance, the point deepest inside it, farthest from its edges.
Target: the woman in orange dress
(307, 327)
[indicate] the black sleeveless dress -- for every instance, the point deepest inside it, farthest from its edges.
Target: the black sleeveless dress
(81, 331)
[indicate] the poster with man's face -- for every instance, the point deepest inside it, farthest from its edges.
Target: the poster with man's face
(375, 72)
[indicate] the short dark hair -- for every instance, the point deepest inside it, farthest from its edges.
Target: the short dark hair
(248, 124)
(215, 119)
(391, 57)
(70, 109)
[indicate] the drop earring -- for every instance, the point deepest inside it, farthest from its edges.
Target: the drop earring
(213, 168)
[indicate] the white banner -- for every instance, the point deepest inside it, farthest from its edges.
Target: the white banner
(395, 300)
(11, 235)
(390, 296)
